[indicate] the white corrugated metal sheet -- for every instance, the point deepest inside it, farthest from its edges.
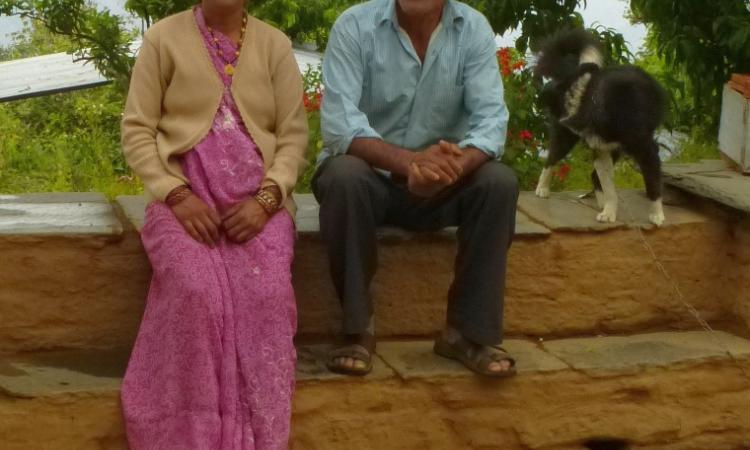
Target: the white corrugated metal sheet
(59, 72)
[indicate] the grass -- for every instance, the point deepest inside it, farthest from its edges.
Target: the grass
(65, 142)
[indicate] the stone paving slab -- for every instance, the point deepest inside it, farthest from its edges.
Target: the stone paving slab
(713, 180)
(630, 354)
(307, 219)
(563, 211)
(44, 374)
(416, 359)
(71, 371)
(57, 214)
(571, 211)
(634, 206)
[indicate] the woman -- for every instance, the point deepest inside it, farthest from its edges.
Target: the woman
(215, 127)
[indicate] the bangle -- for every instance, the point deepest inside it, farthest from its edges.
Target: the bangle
(267, 201)
(177, 195)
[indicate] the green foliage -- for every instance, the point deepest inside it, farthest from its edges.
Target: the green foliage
(151, 11)
(313, 85)
(64, 142)
(698, 146)
(34, 40)
(305, 21)
(702, 43)
(686, 110)
(97, 36)
(536, 19)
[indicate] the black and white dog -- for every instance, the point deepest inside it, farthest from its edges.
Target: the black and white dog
(613, 109)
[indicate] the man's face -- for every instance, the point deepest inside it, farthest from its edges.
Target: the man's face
(420, 7)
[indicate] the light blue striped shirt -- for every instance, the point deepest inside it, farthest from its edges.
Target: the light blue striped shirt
(376, 86)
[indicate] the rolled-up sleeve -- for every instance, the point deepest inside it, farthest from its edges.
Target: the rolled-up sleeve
(343, 74)
(483, 96)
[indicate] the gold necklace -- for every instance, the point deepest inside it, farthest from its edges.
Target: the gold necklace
(228, 67)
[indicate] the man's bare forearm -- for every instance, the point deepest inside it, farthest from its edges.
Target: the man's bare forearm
(471, 160)
(382, 155)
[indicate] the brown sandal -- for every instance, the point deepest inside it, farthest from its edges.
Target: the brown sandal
(475, 357)
(359, 347)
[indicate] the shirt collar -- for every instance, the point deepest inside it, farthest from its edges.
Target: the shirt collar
(451, 14)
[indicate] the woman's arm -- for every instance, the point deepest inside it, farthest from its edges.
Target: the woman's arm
(291, 124)
(139, 121)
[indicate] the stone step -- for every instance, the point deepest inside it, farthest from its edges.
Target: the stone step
(568, 274)
(673, 390)
(711, 179)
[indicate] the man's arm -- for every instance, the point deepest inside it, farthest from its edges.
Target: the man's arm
(345, 128)
(472, 159)
(483, 100)
(382, 155)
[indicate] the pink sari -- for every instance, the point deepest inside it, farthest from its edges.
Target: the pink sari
(213, 365)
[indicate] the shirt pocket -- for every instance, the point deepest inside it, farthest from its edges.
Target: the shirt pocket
(448, 97)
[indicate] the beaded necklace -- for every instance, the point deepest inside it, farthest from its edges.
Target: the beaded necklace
(228, 67)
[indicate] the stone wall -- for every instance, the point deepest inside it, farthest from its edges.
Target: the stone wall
(737, 274)
(65, 291)
(88, 291)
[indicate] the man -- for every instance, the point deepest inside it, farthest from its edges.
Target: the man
(413, 123)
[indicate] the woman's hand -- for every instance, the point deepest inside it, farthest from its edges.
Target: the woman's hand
(199, 220)
(245, 220)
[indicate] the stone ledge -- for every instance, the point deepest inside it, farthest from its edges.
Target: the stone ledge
(686, 393)
(571, 211)
(307, 219)
(416, 360)
(59, 214)
(45, 374)
(711, 179)
(631, 354)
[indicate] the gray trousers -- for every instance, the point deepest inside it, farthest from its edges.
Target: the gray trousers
(355, 200)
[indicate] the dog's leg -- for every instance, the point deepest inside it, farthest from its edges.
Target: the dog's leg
(597, 189)
(651, 169)
(562, 142)
(542, 187)
(598, 185)
(605, 169)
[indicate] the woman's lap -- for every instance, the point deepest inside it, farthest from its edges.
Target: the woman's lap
(199, 298)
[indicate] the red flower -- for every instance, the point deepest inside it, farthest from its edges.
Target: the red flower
(562, 172)
(503, 55)
(312, 100)
(525, 135)
(509, 61)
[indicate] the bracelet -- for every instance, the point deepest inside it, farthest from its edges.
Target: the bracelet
(177, 195)
(267, 201)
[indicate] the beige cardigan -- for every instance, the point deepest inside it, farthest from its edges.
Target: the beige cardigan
(175, 93)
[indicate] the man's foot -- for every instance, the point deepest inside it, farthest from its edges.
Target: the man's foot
(491, 361)
(353, 356)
